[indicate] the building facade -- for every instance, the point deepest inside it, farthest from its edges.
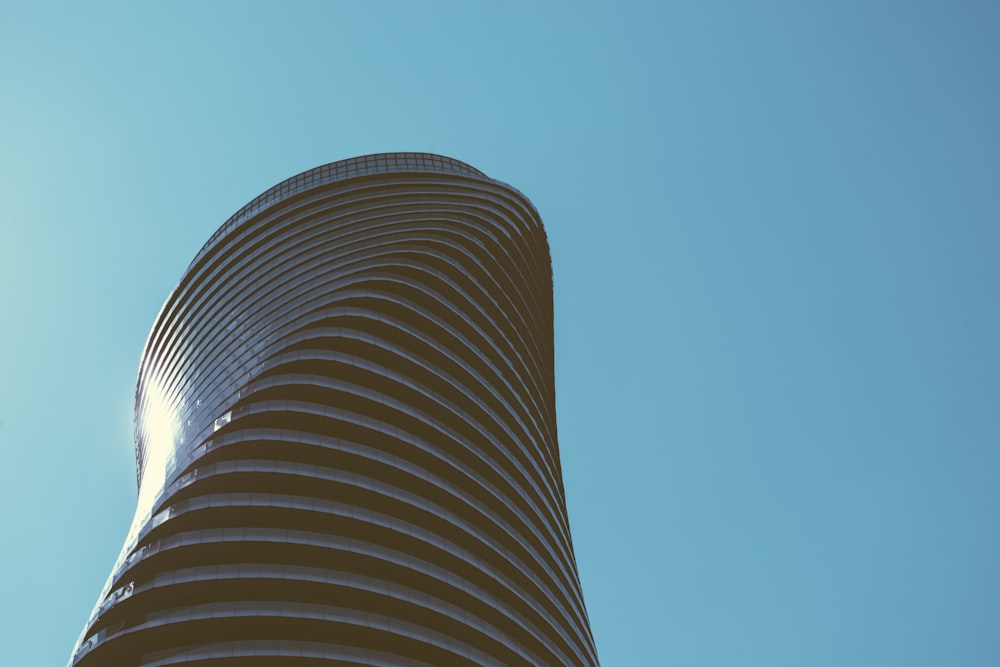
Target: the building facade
(346, 438)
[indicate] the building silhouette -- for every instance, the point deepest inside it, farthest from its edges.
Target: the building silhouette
(346, 438)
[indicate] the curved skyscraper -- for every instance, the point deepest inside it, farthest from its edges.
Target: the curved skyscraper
(346, 438)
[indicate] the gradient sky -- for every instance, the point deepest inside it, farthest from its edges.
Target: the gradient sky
(775, 230)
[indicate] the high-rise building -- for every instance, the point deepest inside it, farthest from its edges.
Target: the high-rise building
(346, 438)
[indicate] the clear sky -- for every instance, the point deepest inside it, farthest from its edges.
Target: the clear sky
(775, 230)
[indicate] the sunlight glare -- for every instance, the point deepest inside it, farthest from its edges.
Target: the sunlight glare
(158, 427)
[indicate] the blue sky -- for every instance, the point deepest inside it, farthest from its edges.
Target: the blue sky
(775, 230)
